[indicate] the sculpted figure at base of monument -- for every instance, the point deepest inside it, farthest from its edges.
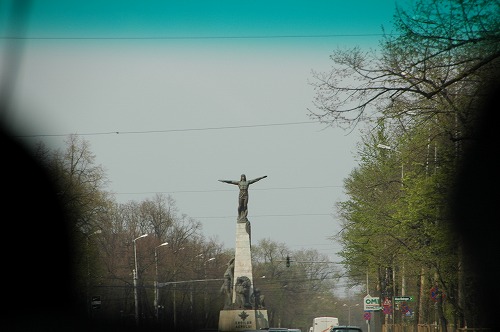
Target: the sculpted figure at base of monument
(227, 286)
(242, 289)
(258, 299)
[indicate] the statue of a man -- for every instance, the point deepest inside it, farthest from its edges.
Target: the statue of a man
(243, 184)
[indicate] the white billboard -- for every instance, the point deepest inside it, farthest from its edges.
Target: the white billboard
(371, 303)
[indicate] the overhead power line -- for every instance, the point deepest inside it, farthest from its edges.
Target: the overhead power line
(209, 191)
(169, 130)
(272, 215)
(195, 37)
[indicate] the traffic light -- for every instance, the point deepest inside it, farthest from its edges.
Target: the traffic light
(287, 261)
(96, 302)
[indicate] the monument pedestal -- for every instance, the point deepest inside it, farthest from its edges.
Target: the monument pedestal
(244, 312)
(232, 320)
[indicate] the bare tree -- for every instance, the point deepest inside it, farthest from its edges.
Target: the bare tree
(426, 72)
(81, 182)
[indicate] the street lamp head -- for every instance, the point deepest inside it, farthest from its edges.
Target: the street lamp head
(210, 259)
(385, 147)
(143, 235)
(163, 244)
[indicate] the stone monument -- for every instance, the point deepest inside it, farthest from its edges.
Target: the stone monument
(244, 307)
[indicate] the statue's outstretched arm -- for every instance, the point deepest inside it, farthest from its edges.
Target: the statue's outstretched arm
(229, 181)
(257, 179)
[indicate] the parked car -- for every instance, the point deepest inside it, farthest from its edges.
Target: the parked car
(346, 329)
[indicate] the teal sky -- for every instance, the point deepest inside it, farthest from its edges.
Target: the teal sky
(207, 19)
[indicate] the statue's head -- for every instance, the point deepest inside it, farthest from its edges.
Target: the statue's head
(243, 177)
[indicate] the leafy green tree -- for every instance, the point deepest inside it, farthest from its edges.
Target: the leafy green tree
(419, 94)
(395, 221)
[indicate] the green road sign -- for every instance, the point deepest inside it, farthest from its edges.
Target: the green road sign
(403, 298)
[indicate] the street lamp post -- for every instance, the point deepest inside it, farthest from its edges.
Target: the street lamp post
(349, 310)
(206, 295)
(174, 286)
(135, 272)
(156, 278)
(390, 148)
(89, 306)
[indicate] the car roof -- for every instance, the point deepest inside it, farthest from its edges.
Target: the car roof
(345, 328)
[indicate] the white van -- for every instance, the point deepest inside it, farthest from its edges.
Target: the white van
(323, 324)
